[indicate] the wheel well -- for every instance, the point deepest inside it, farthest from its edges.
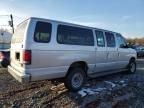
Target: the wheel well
(80, 64)
(132, 58)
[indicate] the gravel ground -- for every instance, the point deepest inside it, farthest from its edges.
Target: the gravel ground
(123, 91)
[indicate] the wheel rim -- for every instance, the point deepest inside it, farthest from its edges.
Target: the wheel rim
(77, 80)
(132, 67)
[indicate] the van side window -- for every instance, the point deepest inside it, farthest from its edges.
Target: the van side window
(100, 38)
(42, 32)
(110, 39)
(120, 40)
(74, 35)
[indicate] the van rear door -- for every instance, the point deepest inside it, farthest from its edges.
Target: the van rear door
(17, 44)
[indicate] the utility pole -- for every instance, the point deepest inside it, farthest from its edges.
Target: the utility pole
(11, 23)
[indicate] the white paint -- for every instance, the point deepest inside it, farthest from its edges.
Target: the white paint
(112, 84)
(82, 93)
(99, 89)
(89, 91)
(94, 91)
(122, 81)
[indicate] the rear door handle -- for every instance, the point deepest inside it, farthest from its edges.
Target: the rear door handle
(107, 54)
(118, 54)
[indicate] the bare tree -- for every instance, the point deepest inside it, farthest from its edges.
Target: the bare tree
(139, 41)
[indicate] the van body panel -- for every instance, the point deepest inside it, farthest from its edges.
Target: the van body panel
(123, 57)
(20, 76)
(17, 46)
(101, 59)
(112, 56)
(58, 61)
(50, 60)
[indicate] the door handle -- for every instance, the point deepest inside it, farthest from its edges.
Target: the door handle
(118, 54)
(107, 54)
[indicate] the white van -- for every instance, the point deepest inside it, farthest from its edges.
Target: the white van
(47, 49)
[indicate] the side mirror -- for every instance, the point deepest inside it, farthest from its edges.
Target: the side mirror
(123, 46)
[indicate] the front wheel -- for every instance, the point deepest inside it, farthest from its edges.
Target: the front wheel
(75, 79)
(132, 67)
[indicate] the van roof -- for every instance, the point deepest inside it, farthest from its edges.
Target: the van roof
(44, 19)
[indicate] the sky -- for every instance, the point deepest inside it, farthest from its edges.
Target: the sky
(123, 16)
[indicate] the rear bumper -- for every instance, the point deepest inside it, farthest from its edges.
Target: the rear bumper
(23, 78)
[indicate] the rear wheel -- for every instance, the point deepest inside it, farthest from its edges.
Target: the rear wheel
(5, 63)
(75, 79)
(132, 66)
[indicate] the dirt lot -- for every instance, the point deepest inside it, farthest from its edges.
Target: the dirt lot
(118, 90)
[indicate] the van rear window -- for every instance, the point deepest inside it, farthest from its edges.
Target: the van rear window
(42, 32)
(19, 32)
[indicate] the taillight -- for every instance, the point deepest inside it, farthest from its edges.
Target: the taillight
(2, 55)
(27, 56)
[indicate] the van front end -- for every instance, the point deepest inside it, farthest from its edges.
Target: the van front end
(20, 76)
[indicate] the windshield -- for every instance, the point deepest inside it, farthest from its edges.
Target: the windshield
(19, 33)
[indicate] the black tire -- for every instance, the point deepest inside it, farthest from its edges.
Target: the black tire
(132, 66)
(70, 82)
(5, 63)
